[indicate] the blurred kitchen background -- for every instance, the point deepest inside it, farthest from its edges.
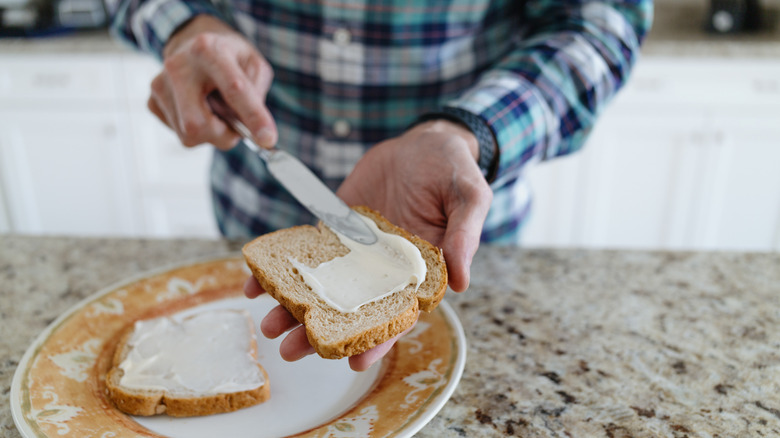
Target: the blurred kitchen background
(687, 157)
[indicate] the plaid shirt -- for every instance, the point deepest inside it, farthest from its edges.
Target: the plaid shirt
(349, 74)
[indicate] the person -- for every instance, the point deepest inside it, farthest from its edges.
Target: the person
(426, 111)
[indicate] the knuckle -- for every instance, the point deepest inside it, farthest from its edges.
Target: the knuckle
(192, 129)
(235, 87)
(158, 85)
(476, 190)
(173, 64)
(265, 69)
(187, 140)
(203, 45)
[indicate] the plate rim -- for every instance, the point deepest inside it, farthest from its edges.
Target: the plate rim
(16, 382)
(408, 430)
(460, 363)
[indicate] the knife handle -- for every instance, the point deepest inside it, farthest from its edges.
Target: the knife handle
(222, 110)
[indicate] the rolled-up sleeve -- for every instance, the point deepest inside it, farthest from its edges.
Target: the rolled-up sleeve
(542, 99)
(148, 24)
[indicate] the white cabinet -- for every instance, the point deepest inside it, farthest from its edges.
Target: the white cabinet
(687, 157)
(67, 172)
(80, 154)
(741, 209)
(172, 180)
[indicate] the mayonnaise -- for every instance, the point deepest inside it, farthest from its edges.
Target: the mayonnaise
(368, 272)
(205, 354)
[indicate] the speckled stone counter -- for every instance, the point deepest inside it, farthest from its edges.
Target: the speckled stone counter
(561, 342)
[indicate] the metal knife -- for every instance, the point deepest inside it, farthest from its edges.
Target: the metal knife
(299, 180)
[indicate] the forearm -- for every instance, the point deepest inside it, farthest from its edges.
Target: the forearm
(543, 98)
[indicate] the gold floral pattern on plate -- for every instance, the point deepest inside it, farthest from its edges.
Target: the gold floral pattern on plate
(59, 391)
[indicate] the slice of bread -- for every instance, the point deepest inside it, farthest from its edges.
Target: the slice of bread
(332, 333)
(172, 397)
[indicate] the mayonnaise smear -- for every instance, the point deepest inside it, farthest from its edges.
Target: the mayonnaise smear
(368, 272)
(206, 354)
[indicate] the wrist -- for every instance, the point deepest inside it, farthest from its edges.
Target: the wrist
(202, 23)
(487, 151)
(452, 128)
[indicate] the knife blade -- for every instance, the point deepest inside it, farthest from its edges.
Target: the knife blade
(299, 180)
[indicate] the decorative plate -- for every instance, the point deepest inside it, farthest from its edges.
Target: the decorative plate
(58, 389)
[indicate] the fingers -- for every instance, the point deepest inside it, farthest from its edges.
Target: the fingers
(160, 102)
(156, 110)
(277, 322)
(462, 236)
(227, 62)
(296, 345)
(195, 122)
(363, 361)
(246, 95)
(252, 288)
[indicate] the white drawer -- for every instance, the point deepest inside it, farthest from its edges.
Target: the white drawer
(669, 81)
(71, 79)
(161, 158)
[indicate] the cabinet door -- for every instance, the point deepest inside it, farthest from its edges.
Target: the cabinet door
(173, 180)
(67, 173)
(678, 161)
(633, 186)
(741, 186)
(641, 181)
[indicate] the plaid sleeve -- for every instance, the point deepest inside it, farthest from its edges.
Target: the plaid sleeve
(542, 99)
(148, 24)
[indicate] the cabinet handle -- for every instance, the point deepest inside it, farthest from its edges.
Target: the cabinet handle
(766, 85)
(649, 84)
(109, 131)
(51, 80)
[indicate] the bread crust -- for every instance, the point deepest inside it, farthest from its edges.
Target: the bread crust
(308, 308)
(147, 403)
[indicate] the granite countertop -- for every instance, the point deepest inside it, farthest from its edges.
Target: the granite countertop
(560, 342)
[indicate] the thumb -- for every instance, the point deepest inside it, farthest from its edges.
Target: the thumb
(460, 243)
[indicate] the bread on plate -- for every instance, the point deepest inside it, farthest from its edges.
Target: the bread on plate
(280, 260)
(202, 364)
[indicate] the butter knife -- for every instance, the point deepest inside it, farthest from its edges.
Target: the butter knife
(299, 180)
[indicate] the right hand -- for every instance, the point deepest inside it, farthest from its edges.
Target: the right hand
(207, 55)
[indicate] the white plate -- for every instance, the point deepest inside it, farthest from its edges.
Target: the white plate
(58, 387)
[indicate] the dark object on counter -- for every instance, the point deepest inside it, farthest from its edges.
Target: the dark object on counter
(732, 16)
(35, 18)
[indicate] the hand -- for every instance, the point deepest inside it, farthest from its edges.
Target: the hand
(207, 54)
(295, 345)
(426, 181)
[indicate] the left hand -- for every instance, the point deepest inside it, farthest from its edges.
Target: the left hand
(426, 181)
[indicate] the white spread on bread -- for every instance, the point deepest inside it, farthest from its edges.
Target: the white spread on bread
(207, 353)
(368, 272)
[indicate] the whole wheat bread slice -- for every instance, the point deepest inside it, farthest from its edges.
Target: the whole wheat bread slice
(179, 403)
(332, 333)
